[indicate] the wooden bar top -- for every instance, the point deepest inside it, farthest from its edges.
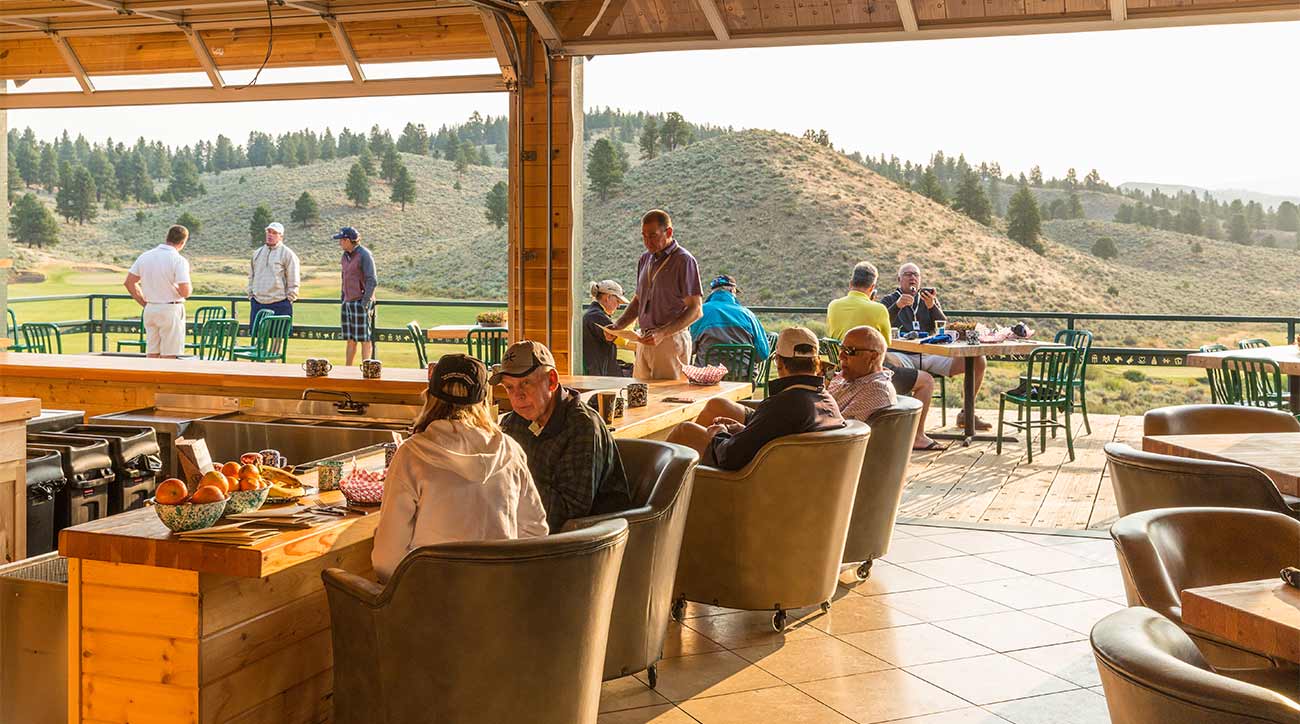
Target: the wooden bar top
(1275, 453)
(1286, 356)
(18, 408)
(963, 349)
(138, 537)
(1262, 616)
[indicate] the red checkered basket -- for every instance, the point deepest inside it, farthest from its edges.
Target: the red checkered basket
(363, 487)
(710, 375)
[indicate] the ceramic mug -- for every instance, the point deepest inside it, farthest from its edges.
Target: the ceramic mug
(317, 367)
(620, 402)
(638, 394)
(605, 403)
(390, 449)
(272, 458)
(370, 369)
(328, 474)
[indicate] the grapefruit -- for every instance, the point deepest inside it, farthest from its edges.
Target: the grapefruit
(171, 492)
(208, 494)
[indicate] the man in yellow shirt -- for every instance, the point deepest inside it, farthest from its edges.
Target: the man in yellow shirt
(857, 309)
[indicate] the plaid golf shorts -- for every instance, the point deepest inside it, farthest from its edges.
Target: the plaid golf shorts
(358, 321)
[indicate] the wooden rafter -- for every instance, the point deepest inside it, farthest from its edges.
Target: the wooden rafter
(269, 92)
(716, 21)
(541, 20)
(345, 48)
(74, 64)
(1119, 10)
(121, 8)
(27, 23)
(610, 10)
(502, 49)
(205, 56)
(310, 7)
(907, 13)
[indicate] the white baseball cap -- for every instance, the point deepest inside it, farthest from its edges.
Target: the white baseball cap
(791, 338)
(276, 227)
(609, 286)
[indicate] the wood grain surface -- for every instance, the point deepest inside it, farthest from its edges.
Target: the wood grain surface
(961, 349)
(1263, 616)
(1287, 357)
(1275, 453)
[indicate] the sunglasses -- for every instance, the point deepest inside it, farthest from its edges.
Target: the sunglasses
(855, 351)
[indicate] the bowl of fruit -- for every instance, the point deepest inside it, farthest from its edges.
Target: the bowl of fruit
(246, 490)
(181, 510)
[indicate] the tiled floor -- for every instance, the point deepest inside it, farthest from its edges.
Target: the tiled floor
(953, 627)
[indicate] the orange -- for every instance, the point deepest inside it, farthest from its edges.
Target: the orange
(230, 470)
(247, 484)
(208, 494)
(171, 492)
(232, 483)
(215, 478)
(248, 471)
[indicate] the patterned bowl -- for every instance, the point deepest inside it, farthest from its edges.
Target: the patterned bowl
(190, 516)
(363, 487)
(243, 501)
(710, 375)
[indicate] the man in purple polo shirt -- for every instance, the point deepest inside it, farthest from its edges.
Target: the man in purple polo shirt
(668, 300)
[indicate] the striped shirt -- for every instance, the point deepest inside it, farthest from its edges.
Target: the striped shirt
(861, 397)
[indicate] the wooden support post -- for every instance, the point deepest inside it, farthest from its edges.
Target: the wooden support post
(716, 22)
(1119, 10)
(5, 251)
(528, 239)
(204, 55)
(74, 64)
(345, 48)
(907, 13)
(502, 49)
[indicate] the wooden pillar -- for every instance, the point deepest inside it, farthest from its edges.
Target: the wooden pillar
(528, 238)
(6, 254)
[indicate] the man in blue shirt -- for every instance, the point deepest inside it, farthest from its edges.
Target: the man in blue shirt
(726, 321)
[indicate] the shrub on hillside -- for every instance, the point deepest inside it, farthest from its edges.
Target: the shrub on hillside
(31, 223)
(190, 222)
(305, 210)
(1104, 248)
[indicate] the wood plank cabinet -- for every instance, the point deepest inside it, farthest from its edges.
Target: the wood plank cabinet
(14, 413)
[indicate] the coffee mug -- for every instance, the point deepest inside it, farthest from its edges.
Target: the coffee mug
(605, 404)
(328, 474)
(317, 367)
(638, 394)
(272, 458)
(370, 368)
(390, 449)
(620, 402)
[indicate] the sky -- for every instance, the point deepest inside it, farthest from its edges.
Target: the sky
(1210, 106)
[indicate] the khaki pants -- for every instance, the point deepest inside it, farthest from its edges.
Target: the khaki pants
(663, 361)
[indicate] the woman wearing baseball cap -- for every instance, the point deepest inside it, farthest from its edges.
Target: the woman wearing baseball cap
(457, 477)
(600, 348)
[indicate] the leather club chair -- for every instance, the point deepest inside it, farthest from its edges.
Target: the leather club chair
(1146, 481)
(1165, 551)
(1212, 419)
(771, 535)
(478, 633)
(1152, 672)
(880, 486)
(660, 474)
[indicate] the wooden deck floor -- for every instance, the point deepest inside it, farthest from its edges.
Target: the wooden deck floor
(975, 485)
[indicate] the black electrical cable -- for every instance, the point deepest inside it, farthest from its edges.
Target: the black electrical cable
(270, 43)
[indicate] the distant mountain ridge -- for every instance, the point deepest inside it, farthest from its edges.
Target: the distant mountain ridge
(1246, 195)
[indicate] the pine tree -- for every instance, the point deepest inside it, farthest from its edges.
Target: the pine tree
(1036, 177)
(928, 186)
(328, 149)
(604, 169)
(649, 139)
(358, 186)
(414, 139)
(1288, 216)
(1073, 207)
(1238, 229)
(1212, 229)
(403, 187)
(47, 173)
(1125, 214)
(141, 216)
(257, 226)
(184, 183)
(189, 221)
(367, 162)
(498, 204)
(461, 159)
(389, 165)
(15, 179)
(674, 132)
(31, 223)
(1023, 222)
(971, 200)
(76, 199)
(223, 156)
(1105, 248)
(101, 169)
(305, 211)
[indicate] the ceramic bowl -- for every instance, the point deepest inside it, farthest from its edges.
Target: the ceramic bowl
(244, 501)
(190, 516)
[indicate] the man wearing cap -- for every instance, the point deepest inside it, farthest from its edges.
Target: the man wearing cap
(797, 402)
(726, 321)
(273, 276)
(358, 294)
(599, 347)
(159, 281)
(571, 453)
(667, 301)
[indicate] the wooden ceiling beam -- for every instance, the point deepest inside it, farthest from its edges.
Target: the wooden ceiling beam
(907, 13)
(310, 7)
(26, 23)
(609, 13)
(716, 21)
(345, 48)
(119, 7)
(74, 65)
(204, 55)
(269, 92)
(1119, 10)
(542, 22)
(503, 50)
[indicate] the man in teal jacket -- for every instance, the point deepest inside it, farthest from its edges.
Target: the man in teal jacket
(726, 321)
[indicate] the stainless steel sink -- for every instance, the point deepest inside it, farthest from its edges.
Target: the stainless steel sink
(303, 445)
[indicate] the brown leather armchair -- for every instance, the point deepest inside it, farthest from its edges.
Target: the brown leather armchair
(484, 632)
(1163, 552)
(771, 535)
(1146, 481)
(880, 486)
(660, 475)
(1152, 672)
(1211, 419)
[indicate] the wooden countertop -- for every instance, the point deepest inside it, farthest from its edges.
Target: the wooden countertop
(1262, 616)
(138, 537)
(962, 349)
(1287, 357)
(657, 415)
(13, 409)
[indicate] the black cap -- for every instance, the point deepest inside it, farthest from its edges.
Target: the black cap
(461, 368)
(347, 232)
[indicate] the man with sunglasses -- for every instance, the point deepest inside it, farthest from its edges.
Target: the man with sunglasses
(863, 385)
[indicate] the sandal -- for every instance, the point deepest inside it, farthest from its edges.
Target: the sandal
(933, 445)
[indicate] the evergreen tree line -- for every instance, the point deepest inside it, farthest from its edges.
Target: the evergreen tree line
(1284, 217)
(654, 134)
(1201, 217)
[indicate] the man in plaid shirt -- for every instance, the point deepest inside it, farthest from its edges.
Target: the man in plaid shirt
(571, 453)
(862, 385)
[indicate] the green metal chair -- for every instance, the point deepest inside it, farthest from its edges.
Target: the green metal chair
(217, 339)
(252, 332)
(42, 337)
(202, 316)
(272, 341)
(12, 332)
(1253, 343)
(137, 343)
(829, 349)
(1219, 394)
(421, 342)
(1047, 386)
(738, 358)
(1081, 341)
(488, 344)
(1254, 382)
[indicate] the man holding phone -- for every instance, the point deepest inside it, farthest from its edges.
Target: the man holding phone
(913, 307)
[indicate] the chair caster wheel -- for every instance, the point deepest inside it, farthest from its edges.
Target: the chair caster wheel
(678, 611)
(652, 674)
(778, 621)
(863, 570)
(826, 606)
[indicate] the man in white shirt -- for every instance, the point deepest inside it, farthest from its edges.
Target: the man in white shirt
(273, 276)
(159, 281)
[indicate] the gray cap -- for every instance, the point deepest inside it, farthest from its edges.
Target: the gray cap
(521, 359)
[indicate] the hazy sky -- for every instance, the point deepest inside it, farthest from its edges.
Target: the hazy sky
(1211, 106)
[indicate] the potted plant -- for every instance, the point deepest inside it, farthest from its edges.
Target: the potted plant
(491, 319)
